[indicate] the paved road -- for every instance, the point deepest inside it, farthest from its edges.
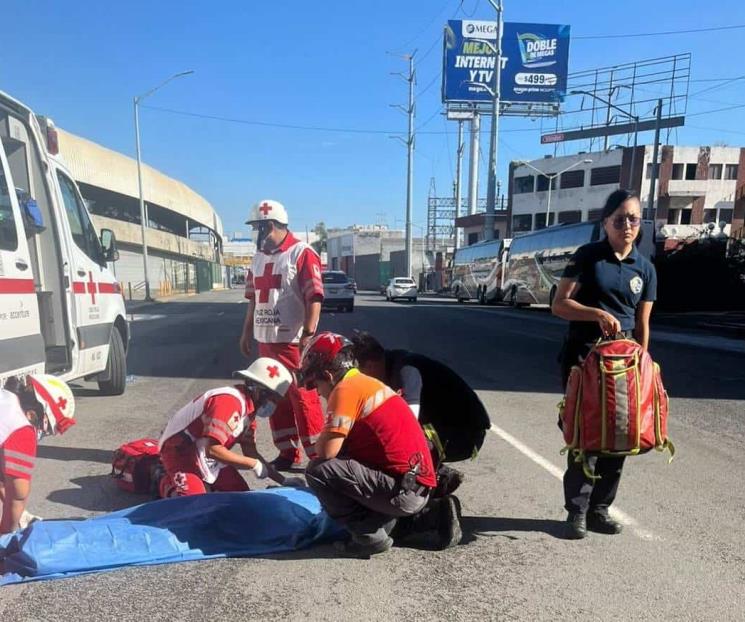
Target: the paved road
(682, 555)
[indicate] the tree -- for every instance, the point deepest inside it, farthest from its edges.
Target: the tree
(320, 244)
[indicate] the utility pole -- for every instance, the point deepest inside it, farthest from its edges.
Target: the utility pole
(473, 168)
(651, 208)
(458, 199)
(409, 142)
(491, 190)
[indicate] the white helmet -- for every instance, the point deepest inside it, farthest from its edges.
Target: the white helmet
(58, 402)
(268, 209)
(269, 373)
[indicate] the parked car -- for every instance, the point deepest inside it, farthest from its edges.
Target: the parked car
(401, 287)
(338, 292)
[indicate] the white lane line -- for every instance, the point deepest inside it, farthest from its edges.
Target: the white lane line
(617, 514)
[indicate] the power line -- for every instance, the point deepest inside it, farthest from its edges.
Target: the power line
(717, 86)
(473, 12)
(434, 114)
(429, 84)
(662, 33)
(422, 30)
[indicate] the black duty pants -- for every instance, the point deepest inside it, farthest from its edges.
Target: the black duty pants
(581, 494)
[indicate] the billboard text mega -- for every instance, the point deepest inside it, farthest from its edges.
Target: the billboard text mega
(534, 62)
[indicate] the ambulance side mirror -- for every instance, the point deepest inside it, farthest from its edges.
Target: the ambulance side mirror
(108, 243)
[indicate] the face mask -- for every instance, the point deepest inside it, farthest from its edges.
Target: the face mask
(266, 410)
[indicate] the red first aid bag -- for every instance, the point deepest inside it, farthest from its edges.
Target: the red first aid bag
(133, 465)
(615, 403)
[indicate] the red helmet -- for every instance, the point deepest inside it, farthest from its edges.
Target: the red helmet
(321, 354)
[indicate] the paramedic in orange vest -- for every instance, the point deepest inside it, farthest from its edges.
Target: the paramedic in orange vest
(608, 288)
(28, 410)
(374, 465)
(195, 446)
(284, 292)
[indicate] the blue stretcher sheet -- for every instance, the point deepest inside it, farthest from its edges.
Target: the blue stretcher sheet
(229, 524)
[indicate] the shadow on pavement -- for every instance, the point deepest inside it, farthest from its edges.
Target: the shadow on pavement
(68, 454)
(486, 526)
(96, 493)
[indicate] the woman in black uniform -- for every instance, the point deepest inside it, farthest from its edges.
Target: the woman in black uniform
(607, 288)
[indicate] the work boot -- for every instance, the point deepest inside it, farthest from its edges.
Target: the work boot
(600, 522)
(577, 526)
(448, 480)
(283, 463)
(350, 548)
(448, 528)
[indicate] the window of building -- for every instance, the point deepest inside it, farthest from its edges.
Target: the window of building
(473, 238)
(540, 220)
(685, 216)
(678, 170)
(648, 174)
(8, 231)
(730, 171)
(80, 224)
(521, 222)
(573, 179)
(594, 214)
(605, 175)
(569, 217)
(710, 215)
(523, 184)
(691, 172)
(715, 171)
(672, 216)
(542, 183)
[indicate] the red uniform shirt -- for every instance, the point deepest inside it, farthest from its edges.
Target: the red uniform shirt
(221, 416)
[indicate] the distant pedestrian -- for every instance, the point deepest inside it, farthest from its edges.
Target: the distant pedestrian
(29, 409)
(608, 288)
(284, 292)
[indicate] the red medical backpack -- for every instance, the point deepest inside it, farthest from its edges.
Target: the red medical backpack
(615, 403)
(134, 464)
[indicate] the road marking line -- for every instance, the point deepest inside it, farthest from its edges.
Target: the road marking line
(617, 514)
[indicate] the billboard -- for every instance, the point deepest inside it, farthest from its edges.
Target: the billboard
(534, 62)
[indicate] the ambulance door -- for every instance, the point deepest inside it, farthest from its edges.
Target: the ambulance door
(21, 342)
(87, 267)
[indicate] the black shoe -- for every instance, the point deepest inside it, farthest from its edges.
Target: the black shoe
(448, 480)
(448, 529)
(600, 522)
(284, 464)
(577, 526)
(350, 548)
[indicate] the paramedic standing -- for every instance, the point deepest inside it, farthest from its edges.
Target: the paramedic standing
(607, 288)
(284, 292)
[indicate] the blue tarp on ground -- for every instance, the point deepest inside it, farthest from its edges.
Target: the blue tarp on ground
(230, 524)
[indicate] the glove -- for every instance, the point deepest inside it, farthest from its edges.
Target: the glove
(294, 482)
(260, 470)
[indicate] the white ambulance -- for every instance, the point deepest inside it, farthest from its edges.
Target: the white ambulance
(61, 309)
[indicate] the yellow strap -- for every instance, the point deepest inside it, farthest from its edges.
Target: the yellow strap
(670, 446)
(434, 438)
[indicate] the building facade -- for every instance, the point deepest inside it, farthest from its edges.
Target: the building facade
(695, 186)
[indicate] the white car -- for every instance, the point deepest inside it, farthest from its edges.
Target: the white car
(338, 292)
(401, 287)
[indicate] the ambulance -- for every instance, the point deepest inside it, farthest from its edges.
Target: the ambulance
(61, 308)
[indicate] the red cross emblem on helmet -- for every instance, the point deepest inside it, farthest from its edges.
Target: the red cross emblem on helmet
(321, 351)
(273, 371)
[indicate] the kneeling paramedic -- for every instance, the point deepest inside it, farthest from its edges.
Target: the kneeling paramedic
(195, 447)
(373, 464)
(29, 409)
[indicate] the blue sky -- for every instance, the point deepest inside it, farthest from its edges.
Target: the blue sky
(323, 64)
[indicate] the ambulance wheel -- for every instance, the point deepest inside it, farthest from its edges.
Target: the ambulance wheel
(116, 367)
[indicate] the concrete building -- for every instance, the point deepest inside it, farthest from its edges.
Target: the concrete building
(184, 233)
(696, 186)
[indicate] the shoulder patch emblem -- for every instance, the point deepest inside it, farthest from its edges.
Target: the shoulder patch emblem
(636, 284)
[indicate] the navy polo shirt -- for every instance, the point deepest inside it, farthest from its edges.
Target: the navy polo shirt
(608, 283)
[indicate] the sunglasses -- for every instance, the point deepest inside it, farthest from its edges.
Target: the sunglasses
(619, 222)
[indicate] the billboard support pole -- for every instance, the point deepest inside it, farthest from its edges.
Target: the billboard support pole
(651, 207)
(458, 166)
(473, 168)
(491, 190)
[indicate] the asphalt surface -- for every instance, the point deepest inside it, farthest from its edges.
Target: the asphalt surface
(680, 557)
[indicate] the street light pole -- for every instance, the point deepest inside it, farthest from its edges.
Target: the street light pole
(143, 210)
(491, 188)
(551, 177)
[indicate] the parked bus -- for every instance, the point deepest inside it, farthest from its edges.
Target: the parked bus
(61, 308)
(477, 271)
(536, 261)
